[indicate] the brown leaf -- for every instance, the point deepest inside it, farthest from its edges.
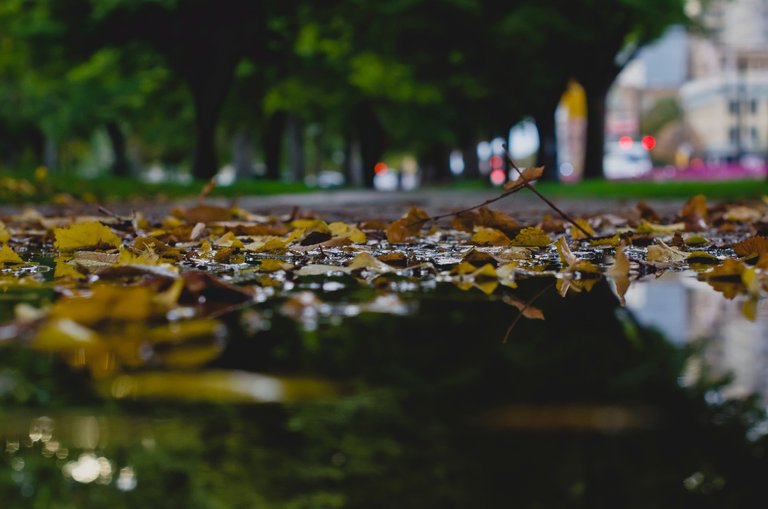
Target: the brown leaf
(526, 310)
(755, 245)
(204, 214)
(467, 221)
(529, 175)
(407, 226)
(694, 212)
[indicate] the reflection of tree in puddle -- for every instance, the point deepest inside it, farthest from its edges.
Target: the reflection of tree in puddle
(583, 409)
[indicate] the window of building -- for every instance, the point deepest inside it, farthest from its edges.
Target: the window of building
(733, 107)
(753, 134)
(733, 135)
(753, 106)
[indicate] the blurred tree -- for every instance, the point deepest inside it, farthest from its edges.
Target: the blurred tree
(604, 36)
(202, 41)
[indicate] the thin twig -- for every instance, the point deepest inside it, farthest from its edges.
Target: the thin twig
(537, 193)
(470, 209)
(521, 311)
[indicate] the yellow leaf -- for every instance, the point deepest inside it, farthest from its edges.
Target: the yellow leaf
(273, 265)
(695, 240)
(339, 229)
(368, 262)
(92, 235)
(267, 244)
(64, 334)
(311, 225)
(489, 237)
(577, 234)
(5, 235)
(64, 269)
(8, 255)
(532, 237)
(147, 257)
(749, 309)
(612, 241)
(646, 227)
(107, 302)
(229, 240)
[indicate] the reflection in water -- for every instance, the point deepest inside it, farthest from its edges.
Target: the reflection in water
(689, 311)
(582, 409)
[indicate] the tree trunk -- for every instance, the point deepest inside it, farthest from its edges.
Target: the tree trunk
(242, 155)
(469, 154)
(296, 149)
(547, 154)
(353, 166)
(273, 144)
(435, 163)
(595, 147)
(120, 166)
(50, 152)
(371, 138)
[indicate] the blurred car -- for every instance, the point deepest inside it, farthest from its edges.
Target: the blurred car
(626, 161)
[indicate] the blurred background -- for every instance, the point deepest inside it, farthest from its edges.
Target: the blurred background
(390, 95)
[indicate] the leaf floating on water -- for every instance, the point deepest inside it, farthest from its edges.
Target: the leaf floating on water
(619, 272)
(489, 237)
(663, 255)
(8, 255)
(92, 235)
(755, 245)
(532, 237)
(219, 386)
(646, 227)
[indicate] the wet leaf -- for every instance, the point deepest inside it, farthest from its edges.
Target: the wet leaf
(92, 235)
(619, 272)
(8, 255)
(532, 237)
(107, 302)
(577, 234)
(663, 255)
(407, 226)
(489, 237)
(755, 245)
(646, 227)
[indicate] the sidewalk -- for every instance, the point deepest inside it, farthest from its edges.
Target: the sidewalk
(362, 204)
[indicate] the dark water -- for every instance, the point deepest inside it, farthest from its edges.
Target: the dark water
(595, 406)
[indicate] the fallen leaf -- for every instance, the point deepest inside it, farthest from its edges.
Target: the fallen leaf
(489, 237)
(532, 237)
(93, 235)
(407, 226)
(619, 272)
(8, 255)
(755, 245)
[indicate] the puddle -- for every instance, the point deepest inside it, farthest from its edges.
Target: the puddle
(335, 393)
